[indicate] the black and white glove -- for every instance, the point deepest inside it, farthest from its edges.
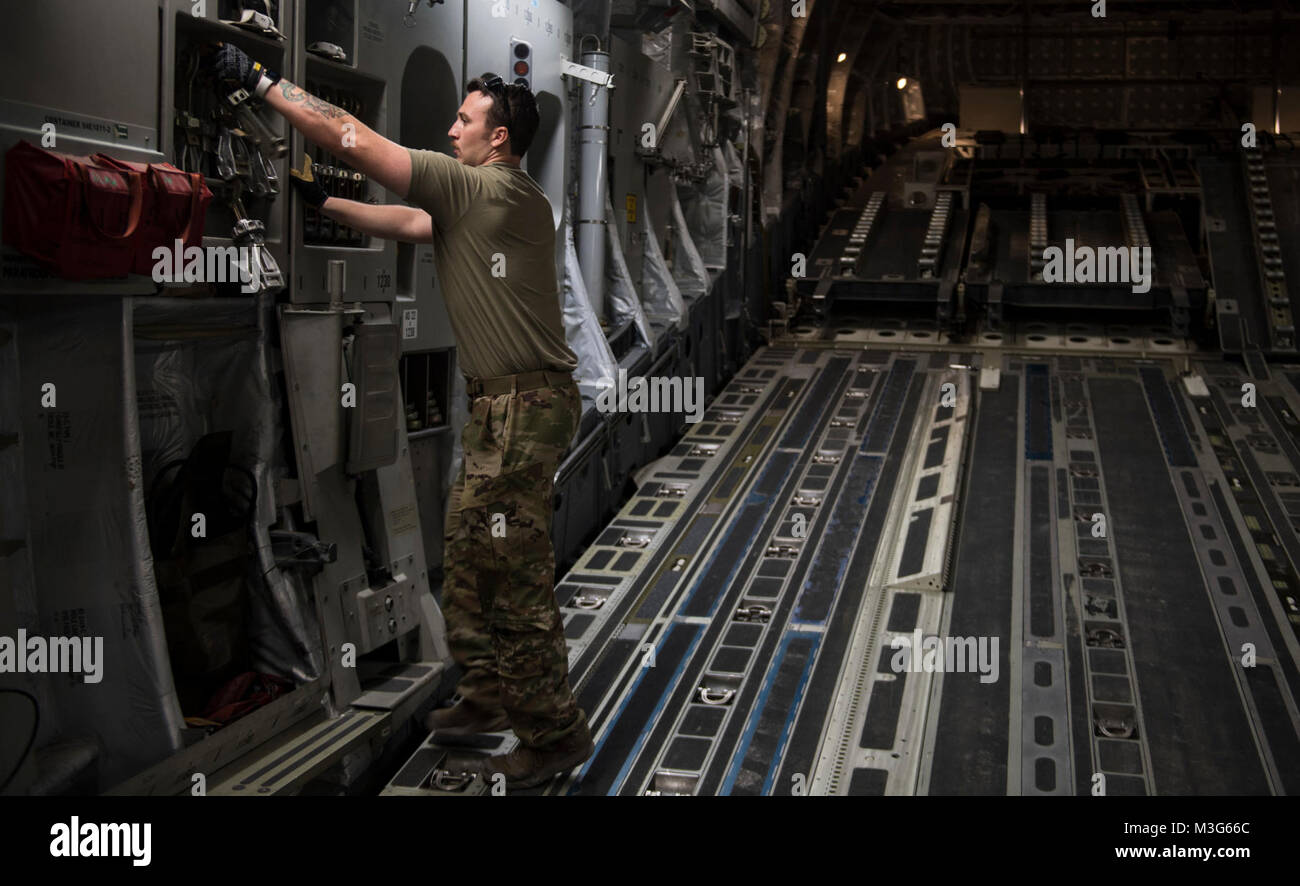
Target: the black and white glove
(304, 182)
(233, 65)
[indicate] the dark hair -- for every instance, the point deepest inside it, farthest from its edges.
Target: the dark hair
(513, 106)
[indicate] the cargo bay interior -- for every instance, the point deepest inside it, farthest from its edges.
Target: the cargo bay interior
(850, 220)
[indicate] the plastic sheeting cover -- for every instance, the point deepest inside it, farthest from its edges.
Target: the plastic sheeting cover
(688, 267)
(597, 368)
(624, 303)
(659, 47)
(661, 297)
(202, 366)
(706, 211)
(86, 539)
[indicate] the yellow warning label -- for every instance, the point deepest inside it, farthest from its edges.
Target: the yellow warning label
(631, 207)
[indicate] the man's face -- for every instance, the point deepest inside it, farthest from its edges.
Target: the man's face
(472, 140)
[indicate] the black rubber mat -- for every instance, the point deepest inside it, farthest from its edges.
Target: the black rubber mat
(770, 729)
(802, 752)
(881, 722)
(903, 612)
(1080, 727)
(602, 678)
(819, 398)
(846, 523)
(688, 529)
(1290, 768)
(1038, 416)
(881, 427)
(1169, 424)
(1042, 615)
(755, 522)
(742, 535)
(639, 710)
(914, 547)
(868, 783)
(1197, 732)
(970, 752)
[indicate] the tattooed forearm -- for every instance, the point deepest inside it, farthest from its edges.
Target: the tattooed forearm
(325, 109)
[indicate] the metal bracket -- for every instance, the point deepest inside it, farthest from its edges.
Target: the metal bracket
(582, 72)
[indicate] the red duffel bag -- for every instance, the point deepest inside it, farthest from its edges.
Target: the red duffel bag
(94, 217)
(174, 206)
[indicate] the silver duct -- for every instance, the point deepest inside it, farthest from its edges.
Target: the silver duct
(593, 155)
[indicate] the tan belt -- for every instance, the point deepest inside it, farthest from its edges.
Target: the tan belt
(513, 384)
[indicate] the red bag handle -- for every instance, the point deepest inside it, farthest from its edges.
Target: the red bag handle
(133, 187)
(196, 193)
(196, 189)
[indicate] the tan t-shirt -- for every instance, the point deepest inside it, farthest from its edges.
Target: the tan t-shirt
(486, 218)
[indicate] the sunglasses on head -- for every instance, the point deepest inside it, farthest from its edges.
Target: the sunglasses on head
(495, 85)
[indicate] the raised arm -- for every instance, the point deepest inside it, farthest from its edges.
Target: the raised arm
(320, 122)
(344, 136)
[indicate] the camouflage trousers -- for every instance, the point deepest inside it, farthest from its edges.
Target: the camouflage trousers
(503, 622)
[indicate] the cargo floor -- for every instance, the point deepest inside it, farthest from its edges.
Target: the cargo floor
(872, 571)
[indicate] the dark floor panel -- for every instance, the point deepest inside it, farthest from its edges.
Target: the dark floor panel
(914, 547)
(868, 782)
(1278, 728)
(819, 398)
(903, 611)
(970, 753)
(1197, 732)
(622, 738)
(1169, 424)
(803, 749)
(882, 713)
(1038, 416)
(775, 717)
(687, 753)
(1120, 756)
(702, 720)
(1042, 617)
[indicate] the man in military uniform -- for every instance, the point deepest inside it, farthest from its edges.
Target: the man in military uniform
(494, 243)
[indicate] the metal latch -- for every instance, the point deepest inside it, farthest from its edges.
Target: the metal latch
(443, 780)
(716, 696)
(1094, 568)
(589, 600)
(1105, 638)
